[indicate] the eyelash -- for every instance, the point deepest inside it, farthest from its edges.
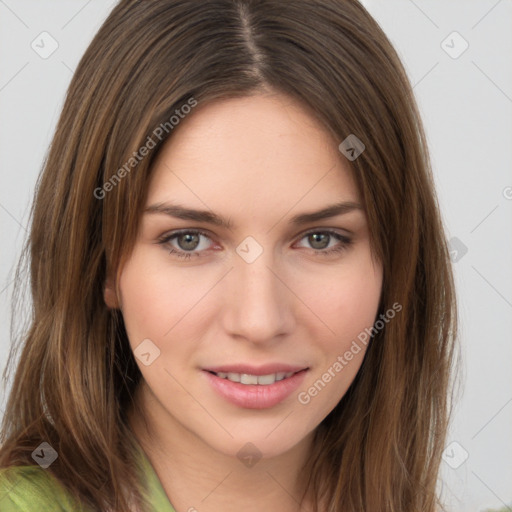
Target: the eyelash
(345, 242)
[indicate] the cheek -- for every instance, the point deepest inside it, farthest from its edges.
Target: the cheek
(344, 303)
(347, 304)
(153, 298)
(358, 301)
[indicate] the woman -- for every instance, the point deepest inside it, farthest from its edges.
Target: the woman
(241, 286)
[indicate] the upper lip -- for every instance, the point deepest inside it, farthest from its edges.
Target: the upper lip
(265, 369)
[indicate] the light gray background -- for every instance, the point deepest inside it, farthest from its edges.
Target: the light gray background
(466, 103)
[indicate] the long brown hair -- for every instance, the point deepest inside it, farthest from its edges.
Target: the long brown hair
(380, 448)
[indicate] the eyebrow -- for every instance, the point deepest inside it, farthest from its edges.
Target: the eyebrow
(180, 212)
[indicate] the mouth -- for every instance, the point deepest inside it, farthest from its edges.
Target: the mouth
(256, 390)
(254, 380)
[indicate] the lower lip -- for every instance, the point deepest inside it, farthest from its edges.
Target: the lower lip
(255, 396)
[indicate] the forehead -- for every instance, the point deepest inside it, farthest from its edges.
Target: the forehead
(256, 155)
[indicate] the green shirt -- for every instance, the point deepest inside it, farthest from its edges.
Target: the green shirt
(33, 489)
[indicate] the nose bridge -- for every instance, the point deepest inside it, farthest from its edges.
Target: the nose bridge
(259, 305)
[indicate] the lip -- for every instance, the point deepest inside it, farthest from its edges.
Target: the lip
(251, 396)
(265, 369)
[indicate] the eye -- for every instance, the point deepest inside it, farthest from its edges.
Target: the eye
(187, 244)
(320, 242)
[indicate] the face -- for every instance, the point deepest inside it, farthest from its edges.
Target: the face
(254, 288)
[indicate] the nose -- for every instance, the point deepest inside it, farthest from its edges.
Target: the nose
(258, 306)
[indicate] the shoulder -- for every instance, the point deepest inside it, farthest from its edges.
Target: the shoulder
(31, 489)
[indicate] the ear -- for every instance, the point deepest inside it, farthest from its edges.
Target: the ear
(110, 294)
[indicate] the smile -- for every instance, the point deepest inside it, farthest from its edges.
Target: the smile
(251, 391)
(248, 379)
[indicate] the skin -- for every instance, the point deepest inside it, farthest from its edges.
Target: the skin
(257, 161)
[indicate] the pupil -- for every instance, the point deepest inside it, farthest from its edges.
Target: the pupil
(316, 238)
(190, 241)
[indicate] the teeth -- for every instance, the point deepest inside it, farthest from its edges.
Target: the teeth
(262, 380)
(248, 379)
(265, 380)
